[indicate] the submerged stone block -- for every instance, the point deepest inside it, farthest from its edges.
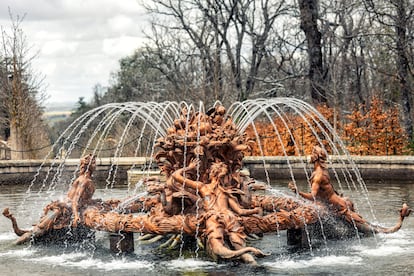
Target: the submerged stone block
(121, 242)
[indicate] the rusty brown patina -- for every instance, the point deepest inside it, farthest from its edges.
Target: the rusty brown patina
(205, 194)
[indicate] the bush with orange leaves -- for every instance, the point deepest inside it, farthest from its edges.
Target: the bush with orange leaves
(373, 131)
(298, 135)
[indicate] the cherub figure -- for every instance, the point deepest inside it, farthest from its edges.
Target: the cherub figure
(321, 188)
(82, 189)
(57, 214)
(323, 191)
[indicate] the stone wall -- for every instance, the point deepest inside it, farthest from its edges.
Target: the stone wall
(23, 171)
(399, 168)
(370, 167)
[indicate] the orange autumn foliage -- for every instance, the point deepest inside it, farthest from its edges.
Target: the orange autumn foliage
(298, 135)
(376, 131)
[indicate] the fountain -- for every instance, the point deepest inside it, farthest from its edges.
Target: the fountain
(206, 199)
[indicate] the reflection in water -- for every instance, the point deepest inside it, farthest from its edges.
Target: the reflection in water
(380, 255)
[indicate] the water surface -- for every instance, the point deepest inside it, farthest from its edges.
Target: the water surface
(381, 255)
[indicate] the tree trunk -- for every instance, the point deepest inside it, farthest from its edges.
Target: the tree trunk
(309, 25)
(403, 67)
(15, 141)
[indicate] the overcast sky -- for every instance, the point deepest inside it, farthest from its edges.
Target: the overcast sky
(79, 41)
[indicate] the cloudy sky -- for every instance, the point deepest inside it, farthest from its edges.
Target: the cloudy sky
(79, 41)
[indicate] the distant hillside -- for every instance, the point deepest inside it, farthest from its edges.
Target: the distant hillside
(55, 112)
(60, 106)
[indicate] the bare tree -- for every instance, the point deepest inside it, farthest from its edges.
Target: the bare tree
(342, 25)
(336, 52)
(396, 17)
(226, 39)
(20, 91)
(309, 16)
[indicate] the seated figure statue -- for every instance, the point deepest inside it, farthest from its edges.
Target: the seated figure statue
(323, 191)
(57, 214)
(82, 189)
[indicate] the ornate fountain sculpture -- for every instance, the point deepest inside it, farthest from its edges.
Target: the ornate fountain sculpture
(59, 215)
(322, 191)
(205, 195)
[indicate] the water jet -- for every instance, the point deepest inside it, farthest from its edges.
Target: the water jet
(204, 195)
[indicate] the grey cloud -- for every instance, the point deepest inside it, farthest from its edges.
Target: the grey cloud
(61, 9)
(79, 41)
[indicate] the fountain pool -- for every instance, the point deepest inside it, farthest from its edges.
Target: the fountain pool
(379, 255)
(200, 153)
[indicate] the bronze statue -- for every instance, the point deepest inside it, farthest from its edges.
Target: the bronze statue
(205, 195)
(221, 208)
(81, 191)
(323, 191)
(58, 214)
